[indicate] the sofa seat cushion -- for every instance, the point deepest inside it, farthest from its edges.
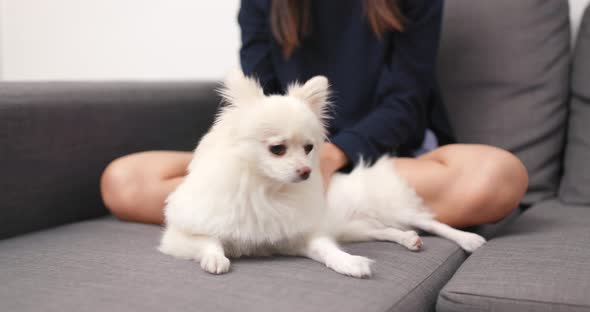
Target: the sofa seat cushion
(538, 263)
(109, 265)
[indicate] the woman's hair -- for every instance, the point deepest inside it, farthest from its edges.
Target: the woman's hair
(290, 20)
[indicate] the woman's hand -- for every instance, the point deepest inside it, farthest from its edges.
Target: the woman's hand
(332, 158)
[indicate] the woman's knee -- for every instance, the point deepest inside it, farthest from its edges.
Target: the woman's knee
(119, 186)
(496, 185)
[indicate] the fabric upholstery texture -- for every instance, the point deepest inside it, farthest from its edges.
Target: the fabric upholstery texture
(575, 184)
(504, 81)
(108, 265)
(57, 138)
(538, 263)
(503, 71)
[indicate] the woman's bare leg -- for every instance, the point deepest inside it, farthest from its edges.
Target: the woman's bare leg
(464, 184)
(467, 184)
(135, 186)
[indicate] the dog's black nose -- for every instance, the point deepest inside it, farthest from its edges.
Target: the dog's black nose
(304, 172)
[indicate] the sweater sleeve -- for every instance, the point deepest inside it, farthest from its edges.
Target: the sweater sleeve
(403, 88)
(255, 52)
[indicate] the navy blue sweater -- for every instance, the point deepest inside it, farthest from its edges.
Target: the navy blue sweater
(383, 90)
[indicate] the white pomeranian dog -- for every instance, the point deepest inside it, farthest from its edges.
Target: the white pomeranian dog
(254, 188)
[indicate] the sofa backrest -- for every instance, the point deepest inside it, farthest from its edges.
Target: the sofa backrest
(503, 71)
(56, 138)
(575, 183)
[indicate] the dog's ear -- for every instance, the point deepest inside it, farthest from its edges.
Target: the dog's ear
(315, 92)
(238, 89)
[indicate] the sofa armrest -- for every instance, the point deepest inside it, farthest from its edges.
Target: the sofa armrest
(56, 138)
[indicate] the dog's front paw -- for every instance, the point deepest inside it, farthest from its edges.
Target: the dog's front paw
(215, 263)
(355, 266)
(470, 241)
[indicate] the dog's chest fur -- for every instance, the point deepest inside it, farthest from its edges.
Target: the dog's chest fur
(251, 218)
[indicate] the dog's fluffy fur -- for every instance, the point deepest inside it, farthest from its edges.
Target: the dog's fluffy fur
(240, 199)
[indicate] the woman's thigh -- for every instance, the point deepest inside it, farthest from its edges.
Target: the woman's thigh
(467, 184)
(156, 164)
(135, 186)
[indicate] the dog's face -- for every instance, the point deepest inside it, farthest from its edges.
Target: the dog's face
(286, 136)
(280, 136)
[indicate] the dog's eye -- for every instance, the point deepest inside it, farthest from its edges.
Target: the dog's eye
(279, 149)
(308, 148)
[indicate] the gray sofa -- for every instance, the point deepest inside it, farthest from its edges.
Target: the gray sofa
(505, 70)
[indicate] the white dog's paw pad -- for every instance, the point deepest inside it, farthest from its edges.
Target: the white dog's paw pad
(470, 242)
(355, 266)
(215, 264)
(412, 241)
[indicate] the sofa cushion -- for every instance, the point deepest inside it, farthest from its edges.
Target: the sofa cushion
(503, 72)
(108, 265)
(575, 184)
(56, 138)
(538, 263)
